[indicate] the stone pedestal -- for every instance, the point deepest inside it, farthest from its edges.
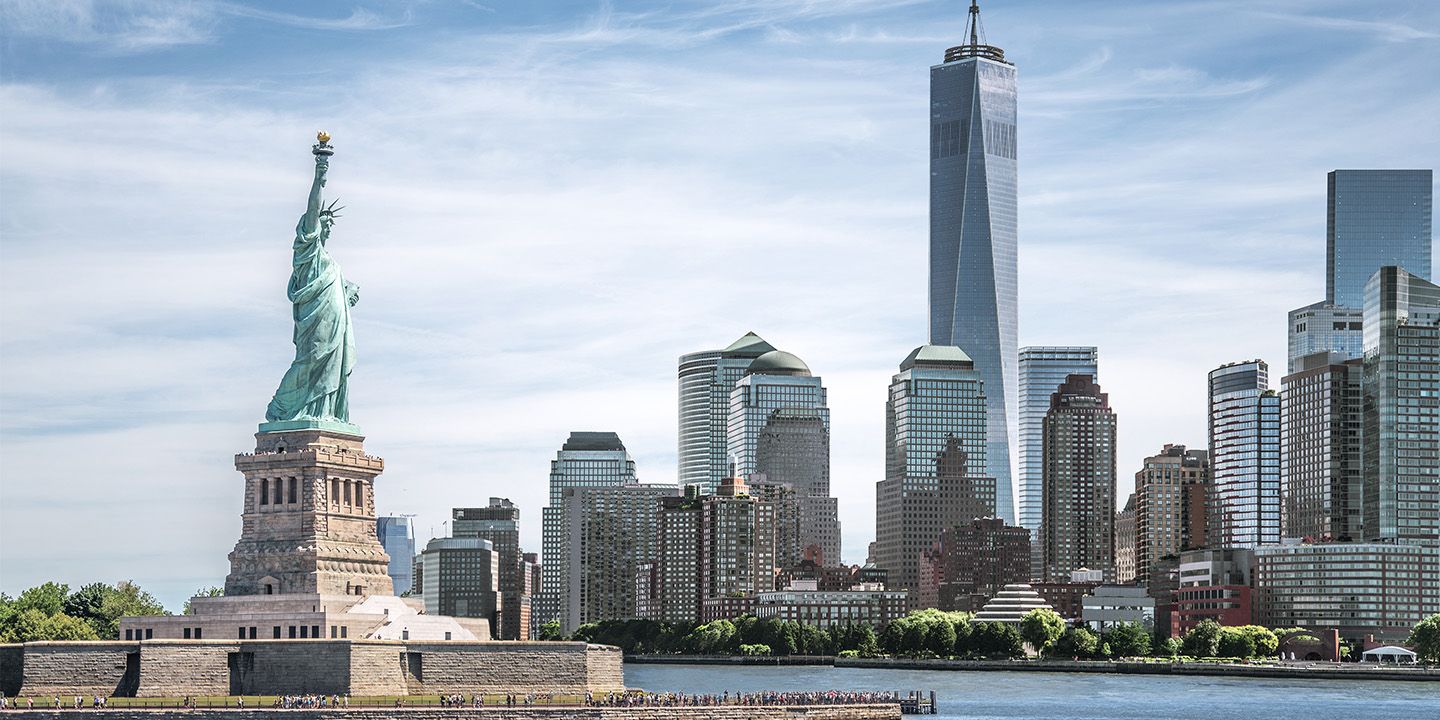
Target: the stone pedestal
(309, 518)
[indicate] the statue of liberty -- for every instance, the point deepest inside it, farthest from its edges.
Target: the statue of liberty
(315, 390)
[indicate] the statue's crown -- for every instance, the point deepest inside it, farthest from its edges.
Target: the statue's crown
(332, 211)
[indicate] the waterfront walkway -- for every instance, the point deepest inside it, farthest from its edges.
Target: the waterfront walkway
(1298, 670)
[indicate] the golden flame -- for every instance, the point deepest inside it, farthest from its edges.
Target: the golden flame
(323, 137)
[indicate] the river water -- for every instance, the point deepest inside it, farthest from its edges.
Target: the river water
(976, 695)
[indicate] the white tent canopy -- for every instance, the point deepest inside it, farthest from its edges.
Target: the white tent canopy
(1389, 653)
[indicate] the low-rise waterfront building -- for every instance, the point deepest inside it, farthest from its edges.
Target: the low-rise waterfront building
(804, 604)
(1010, 604)
(1110, 605)
(1065, 598)
(1214, 585)
(1380, 589)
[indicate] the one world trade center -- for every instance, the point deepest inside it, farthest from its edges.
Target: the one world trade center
(973, 232)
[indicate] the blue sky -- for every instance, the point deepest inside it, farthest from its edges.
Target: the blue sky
(549, 202)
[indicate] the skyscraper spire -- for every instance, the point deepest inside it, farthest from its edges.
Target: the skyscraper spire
(975, 48)
(974, 22)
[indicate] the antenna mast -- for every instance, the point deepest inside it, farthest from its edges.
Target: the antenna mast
(975, 48)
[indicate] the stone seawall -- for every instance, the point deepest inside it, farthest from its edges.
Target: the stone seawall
(788, 712)
(81, 668)
(208, 668)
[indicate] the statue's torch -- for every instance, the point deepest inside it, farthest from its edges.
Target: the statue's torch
(322, 148)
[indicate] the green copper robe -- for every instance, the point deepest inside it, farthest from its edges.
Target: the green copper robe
(316, 385)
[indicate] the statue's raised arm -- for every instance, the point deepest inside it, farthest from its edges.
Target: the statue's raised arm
(322, 151)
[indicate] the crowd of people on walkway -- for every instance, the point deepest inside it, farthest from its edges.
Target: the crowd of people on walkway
(628, 698)
(827, 697)
(291, 702)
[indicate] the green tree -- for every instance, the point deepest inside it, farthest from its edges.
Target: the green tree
(64, 627)
(1078, 643)
(812, 640)
(892, 638)
(48, 598)
(1425, 638)
(712, 638)
(1235, 643)
(755, 649)
(550, 631)
(1203, 640)
(205, 592)
(866, 644)
(1173, 646)
(1129, 640)
(127, 600)
(88, 603)
(998, 639)
(940, 638)
(1041, 627)
(1265, 642)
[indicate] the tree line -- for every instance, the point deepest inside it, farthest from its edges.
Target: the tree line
(52, 612)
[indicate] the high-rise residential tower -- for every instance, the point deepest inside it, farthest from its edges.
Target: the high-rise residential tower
(1375, 218)
(1401, 384)
(1244, 426)
(706, 379)
(1042, 369)
(587, 459)
(1077, 525)
(973, 189)
(610, 537)
(398, 539)
(1171, 491)
(935, 445)
(712, 547)
(779, 432)
(1321, 447)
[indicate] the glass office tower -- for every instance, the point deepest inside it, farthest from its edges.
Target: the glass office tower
(399, 542)
(935, 444)
(973, 190)
(1375, 218)
(779, 432)
(1245, 456)
(706, 379)
(1400, 384)
(1042, 371)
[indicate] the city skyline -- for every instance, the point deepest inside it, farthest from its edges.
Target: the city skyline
(574, 318)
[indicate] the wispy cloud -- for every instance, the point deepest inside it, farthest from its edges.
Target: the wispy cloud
(1385, 30)
(138, 26)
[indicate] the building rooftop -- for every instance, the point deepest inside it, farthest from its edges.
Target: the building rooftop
(749, 345)
(937, 356)
(778, 362)
(593, 441)
(1011, 604)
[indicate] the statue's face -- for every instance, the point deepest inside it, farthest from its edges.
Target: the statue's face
(326, 222)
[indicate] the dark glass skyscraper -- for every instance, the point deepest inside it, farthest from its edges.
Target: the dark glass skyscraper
(1375, 218)
(1400, 384)
(973, 231)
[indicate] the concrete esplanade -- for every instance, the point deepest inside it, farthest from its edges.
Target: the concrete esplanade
(178, 668)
